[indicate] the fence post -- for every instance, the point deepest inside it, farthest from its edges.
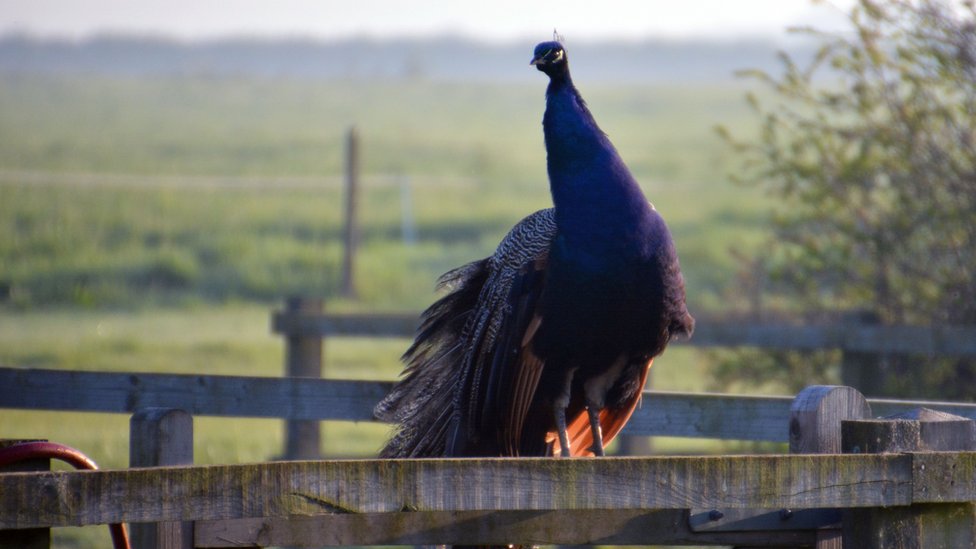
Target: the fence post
(947, 525)
(816, 415)
(351, 234)
(33, 538)
(161, 436)
(815, 428)
(303, 358)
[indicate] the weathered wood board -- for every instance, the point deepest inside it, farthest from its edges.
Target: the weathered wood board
(460, 485)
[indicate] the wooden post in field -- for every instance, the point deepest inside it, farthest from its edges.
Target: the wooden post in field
(161, 436)
(947, 525)
(303, 358)
(408, 226)
(351, 233)
(815, 428)
(31, 538)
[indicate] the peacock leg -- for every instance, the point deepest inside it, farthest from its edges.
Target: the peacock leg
(595, 429)
(559, 405)
(560, 415)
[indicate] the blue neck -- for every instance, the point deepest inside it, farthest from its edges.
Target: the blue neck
(593, 191)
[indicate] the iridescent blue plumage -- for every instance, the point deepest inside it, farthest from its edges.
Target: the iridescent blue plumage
(546, 345)
(613, 288)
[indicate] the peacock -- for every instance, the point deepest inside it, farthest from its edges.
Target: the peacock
(544, 347)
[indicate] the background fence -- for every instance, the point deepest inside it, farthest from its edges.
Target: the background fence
(305, 326)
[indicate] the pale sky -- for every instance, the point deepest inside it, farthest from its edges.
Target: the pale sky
(492, 20)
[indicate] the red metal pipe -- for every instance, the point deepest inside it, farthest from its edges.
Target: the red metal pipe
(50, 450)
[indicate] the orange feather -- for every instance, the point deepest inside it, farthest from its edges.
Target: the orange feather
(611, 422)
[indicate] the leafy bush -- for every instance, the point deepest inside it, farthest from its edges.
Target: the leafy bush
(871, 149)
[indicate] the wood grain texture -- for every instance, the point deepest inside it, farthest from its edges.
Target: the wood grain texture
(482, 527)
(816, 415)
(815, 428)
(161, 436)
(944, 520)
(386, 486)
(303, 359)
(34, 538)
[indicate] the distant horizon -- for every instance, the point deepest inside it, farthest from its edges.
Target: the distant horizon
(433, 57)
(500, 22)
(15, 34)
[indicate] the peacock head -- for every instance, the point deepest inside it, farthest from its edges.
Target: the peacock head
(550, 58)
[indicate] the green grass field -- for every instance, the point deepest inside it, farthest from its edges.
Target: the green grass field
(152, 225)
(472, 156)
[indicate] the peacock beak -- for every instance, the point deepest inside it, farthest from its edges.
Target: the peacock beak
(540, 58)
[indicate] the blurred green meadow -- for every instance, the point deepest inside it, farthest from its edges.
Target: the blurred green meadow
(152, 224)
(143, 192)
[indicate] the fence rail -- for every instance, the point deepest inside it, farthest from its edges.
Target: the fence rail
(416, 491)
(204, 395)
(850, 336)
(282, 489)
(662, 413)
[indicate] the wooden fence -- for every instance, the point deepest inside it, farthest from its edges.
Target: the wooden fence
(908, 494)
(904, 482)
(305, 326)
(662, 413)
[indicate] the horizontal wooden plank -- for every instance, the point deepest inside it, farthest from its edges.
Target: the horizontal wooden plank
(710, 415)
(924, 340)
(576, 527)
(31, 500)
(746, 417)
(235, 396)
(696, 415)
(661, 413)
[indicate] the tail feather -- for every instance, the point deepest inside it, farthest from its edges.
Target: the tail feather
(421, 402)
(456, 335)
